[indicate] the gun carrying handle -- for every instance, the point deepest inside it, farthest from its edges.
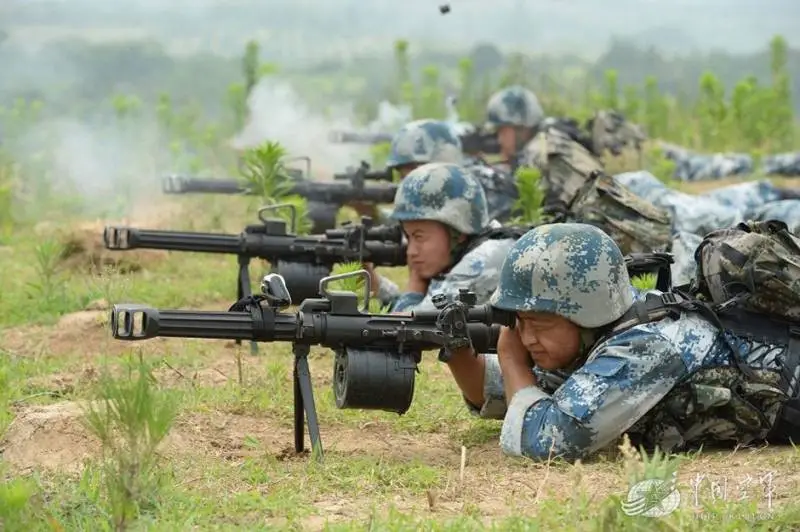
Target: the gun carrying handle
(277, 207)
(119, 238)
(304, 158)
(323, 285)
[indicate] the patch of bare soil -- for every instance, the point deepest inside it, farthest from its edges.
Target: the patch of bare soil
(54, 437)
(226, 436)
(63, 384)
(84, 333)
(219, 372)
(83, 250)
(49, 437)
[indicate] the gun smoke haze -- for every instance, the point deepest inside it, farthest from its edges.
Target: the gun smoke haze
(277, 113)
(390, 117)
(99, 163)
(104, 168)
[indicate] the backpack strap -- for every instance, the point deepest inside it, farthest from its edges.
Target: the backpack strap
(671, 304)
(789, 425)
(654, 307)
(746, 324)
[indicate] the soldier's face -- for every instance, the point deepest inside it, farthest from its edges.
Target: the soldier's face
(428, 251)
(552, 341)
(507, 138)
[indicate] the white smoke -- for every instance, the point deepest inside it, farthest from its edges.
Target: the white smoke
(390, 118)
(102, 166)
(277, 113)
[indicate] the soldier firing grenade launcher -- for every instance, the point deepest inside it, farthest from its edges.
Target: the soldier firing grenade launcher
(324, 198)
(376, 355)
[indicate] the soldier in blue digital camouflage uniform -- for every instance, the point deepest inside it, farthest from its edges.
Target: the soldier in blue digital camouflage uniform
(514, 113)
(722, 207)
(694, 216)
(691, 166)
(434, 141)
(452, 241)
(565, 152)
(567, 385)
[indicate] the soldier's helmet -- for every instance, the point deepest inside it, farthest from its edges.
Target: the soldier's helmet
(572, 270)
(445, 193)
(425, 141)
(514, 106)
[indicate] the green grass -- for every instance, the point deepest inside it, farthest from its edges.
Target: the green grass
(228, 461)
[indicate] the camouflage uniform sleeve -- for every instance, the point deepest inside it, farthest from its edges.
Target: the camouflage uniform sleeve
(623, 379)
(388, 291)
(494, 398)
(408, 301)
(494, 405)
(478, 271)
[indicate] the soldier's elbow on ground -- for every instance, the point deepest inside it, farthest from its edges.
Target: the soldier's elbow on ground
(541, 438)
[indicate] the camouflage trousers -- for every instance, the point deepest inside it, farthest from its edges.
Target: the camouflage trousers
(691, 166)
(694, 216)
(785, 164)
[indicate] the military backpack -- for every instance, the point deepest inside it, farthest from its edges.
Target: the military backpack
(748, 284)
(635, 224)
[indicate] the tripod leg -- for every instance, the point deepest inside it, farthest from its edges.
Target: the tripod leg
(299, 414)
(307, 394)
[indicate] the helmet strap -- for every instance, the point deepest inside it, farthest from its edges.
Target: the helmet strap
(458, 247)
(588, 339)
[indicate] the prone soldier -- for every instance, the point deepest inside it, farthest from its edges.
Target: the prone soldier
(590, 359)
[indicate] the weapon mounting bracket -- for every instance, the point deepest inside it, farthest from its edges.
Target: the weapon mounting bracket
(243, 290)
